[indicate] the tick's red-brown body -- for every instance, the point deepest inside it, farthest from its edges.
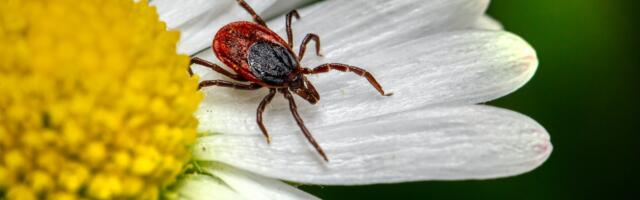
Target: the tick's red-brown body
(259, 56)
(232, 42)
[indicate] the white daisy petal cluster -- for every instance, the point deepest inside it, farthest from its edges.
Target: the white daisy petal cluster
(439, 58)
(199, 20)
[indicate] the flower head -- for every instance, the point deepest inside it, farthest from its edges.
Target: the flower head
(439, 58)
(95, 101)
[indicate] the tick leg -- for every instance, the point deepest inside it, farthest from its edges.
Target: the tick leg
(267, 99)
(250, 10)
(307, 39)
(214, 67)
(307, 134)
(229, 84)
(293, 13)
(346, 68)
(308, 92)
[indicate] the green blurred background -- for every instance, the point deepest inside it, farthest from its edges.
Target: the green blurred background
(585, 93)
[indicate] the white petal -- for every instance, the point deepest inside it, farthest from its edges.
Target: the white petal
(201, 187)
(255, 187)
(284, 6)
(444, 143)
(176, 13)
(463, 67)
(191, 17)
(367, 18)
(342, 25)
(486, 22)
(198, 20)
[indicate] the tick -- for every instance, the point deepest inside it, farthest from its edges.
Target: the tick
(262, 59)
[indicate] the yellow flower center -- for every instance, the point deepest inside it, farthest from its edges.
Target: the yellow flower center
(94, 101)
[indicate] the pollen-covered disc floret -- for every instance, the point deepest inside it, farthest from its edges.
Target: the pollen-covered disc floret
(95, 103)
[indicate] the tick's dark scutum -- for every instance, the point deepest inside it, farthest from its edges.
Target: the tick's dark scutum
(270, 62)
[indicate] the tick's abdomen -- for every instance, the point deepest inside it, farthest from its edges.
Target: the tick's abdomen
(270, 62)
(234, 42)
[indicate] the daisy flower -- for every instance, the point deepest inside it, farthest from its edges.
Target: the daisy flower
(441, 59)
(95, 103)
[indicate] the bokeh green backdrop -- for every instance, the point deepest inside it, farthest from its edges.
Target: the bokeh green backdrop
(585, 93)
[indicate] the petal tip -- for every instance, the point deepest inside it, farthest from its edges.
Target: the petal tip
(525, 60)
(540, 148)
(543, 148)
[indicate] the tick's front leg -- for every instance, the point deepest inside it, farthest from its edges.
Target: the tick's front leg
(305, 131)
(308, 92)
(229, 84)
(307, 39)
(253, 13)
(214, 67)
(290, 15)
(347, 68)
(267, 99)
